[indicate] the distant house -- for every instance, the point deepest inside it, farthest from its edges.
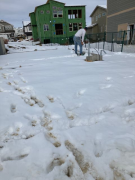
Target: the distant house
(6, 29)
(27, 29)
(98, 20)
(121, 17)
(56, 22)
(19, 31)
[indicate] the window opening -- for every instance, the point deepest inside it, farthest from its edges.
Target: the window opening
(46, 27)
(60, 13)
(75, 14)
(42, 12)
(59, 29)
(80, 13)
(71, 27)
(99, 16)
(75, 27)
(55, 14)
(30, 28)
(80, 25)
(69, 14)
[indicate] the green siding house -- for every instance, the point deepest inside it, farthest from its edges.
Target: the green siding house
(55, 20)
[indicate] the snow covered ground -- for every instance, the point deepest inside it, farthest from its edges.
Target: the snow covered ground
(63, 118)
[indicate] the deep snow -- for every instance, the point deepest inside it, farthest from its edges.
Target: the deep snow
(63, 118)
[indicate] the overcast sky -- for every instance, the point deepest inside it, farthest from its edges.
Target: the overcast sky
(15, 11)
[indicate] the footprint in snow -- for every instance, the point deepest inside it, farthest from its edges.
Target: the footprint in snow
(13, 108)
(15, 155)
(106, 86)
(108, 78)
(53, 139)
(80, 93)
(23, 80)
(98, 151)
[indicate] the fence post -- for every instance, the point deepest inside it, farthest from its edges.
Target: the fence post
(123, 41)
(104, 40)
(112, 43)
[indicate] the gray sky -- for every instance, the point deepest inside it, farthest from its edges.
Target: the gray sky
(15, 11)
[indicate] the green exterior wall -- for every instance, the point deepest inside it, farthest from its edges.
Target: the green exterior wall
(38, 20)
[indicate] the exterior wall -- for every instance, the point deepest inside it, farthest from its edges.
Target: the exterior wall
(44, 15)
(119, 5)
(1, 28)
(121, 14)
(34, 26)
(77, 20)
(101, 21)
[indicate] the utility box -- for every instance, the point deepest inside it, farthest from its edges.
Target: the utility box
(2, 47)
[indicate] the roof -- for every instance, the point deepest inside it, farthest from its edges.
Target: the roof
(55, 1)
(26, 23)
(4, 23)
(74, 5)
(92, 25)
(68, 5)
(1, 24)
(99, 6)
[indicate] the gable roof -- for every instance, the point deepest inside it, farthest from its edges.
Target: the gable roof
(99, 6)
(53, 0)
(26, 23)
(4, 23)
(1, 24)
(76, 5)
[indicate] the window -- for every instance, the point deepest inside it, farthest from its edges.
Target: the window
(96, 18)
(59, 29)
(103, 14)
(30, 28)
(46, 27)
(69, 14)
(60, 13)
(42, 12)
(57, 14)
(75, 26)
(47, 12)
(71, 27)
(80, 13)
(80, 25)
(54, 7)
(74, 14)
(99, 16)
(59, 8)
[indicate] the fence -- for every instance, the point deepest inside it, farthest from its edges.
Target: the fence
(123, 41)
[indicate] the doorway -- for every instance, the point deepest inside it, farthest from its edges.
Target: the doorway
(59, 29)
(131, 33)
(46, 41)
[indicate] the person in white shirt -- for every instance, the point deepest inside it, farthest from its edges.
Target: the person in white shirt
(79, 39)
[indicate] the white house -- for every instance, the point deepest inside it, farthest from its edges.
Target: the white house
(27, 29)
(19, 31)
(6, 29)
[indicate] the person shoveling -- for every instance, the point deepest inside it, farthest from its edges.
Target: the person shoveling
(79, 40)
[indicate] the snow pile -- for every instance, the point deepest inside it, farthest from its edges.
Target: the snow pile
(62, 118)
(27, 46)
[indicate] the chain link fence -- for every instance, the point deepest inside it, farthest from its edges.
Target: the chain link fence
(122, 41)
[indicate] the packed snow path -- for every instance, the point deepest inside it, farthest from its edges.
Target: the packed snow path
(63, 118)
